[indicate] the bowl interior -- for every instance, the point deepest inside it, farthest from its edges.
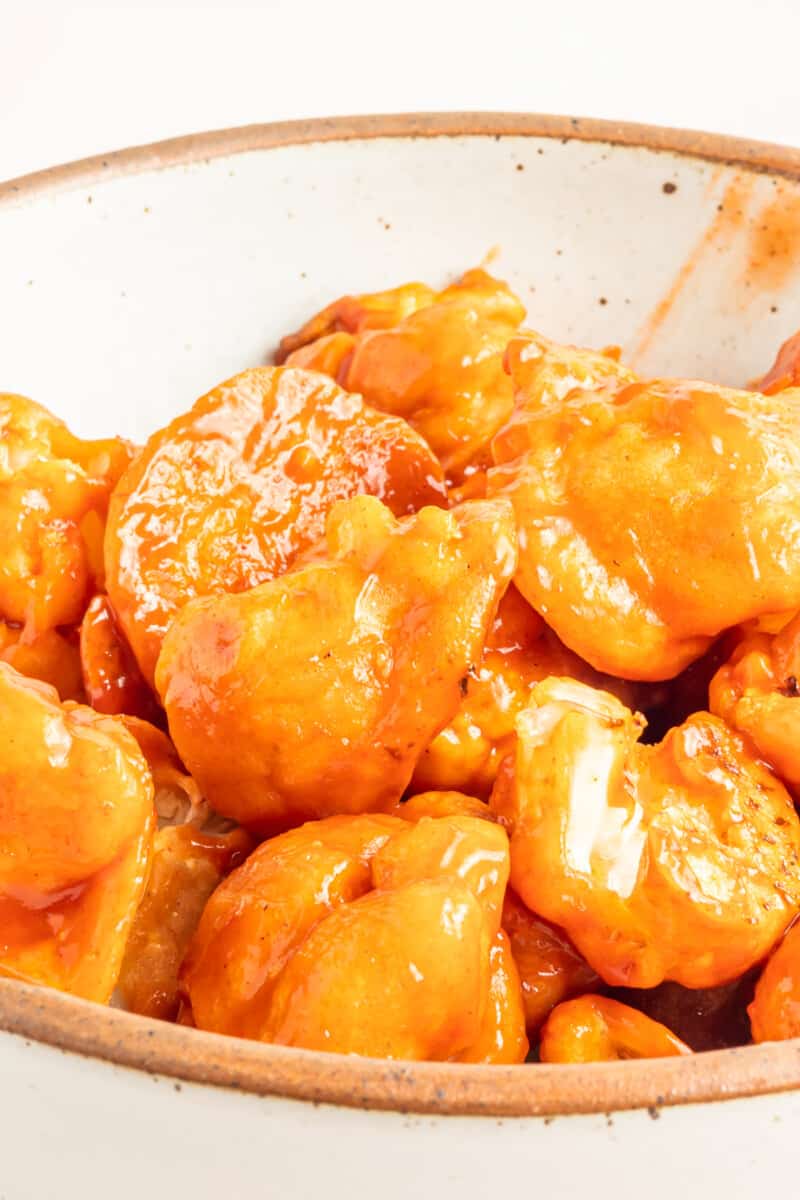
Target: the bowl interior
(126, 293)
(124, 298)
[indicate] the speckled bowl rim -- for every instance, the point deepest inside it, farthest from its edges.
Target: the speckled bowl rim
(202, 147)
(173, 1051)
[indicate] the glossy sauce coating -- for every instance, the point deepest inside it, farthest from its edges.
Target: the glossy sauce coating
(549, 966)
(775, 1010)
(598, 1029)
(176, 796)
(187, 866)
(784, 372)
(365, 935)
(352, 315)
(472, 852)
(643, 530)
(437, 361)
(442, 804)
(326, 642)
(76, 826)
(257, 918)
(519, 652)
(54, 491)
(539, 959)
(414, 997)
(229, 494)
(337, 720)
(111, 677)
(502, 1036)
(674, 861)
(193, 850)
(758, 692)
(52, 656)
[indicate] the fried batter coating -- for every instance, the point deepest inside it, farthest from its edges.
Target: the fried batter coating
(417, 997)
(784, 372)
(188, 864)
(520, 651)
(640, 506)
(54, 491)
(176, 796)
(598, 1029)
(76, 826)
(674, 861)
(434, 358)
(757, 692)
(352, 315)
(229, 494)
(316, 693)
(257, 918)
(366, 935)
(502, 1037)
(441, 804)
(775, 1010)
(443, 847)
(549, 966)
(111, 677)
(193, 850)
(52, 656)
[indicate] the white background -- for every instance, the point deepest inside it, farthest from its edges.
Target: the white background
(77, 79)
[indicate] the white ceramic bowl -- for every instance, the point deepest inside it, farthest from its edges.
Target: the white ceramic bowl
(131, 284)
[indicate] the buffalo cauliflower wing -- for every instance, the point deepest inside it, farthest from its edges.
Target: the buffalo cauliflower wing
(316, 693)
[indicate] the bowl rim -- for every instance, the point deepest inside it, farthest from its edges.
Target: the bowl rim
(80, 1027)
(444, 1089)
(766, 157)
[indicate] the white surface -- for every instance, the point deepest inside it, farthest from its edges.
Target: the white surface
(77, 78)
(149, 1139)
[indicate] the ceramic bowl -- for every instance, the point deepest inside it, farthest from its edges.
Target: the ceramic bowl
(130, 284)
